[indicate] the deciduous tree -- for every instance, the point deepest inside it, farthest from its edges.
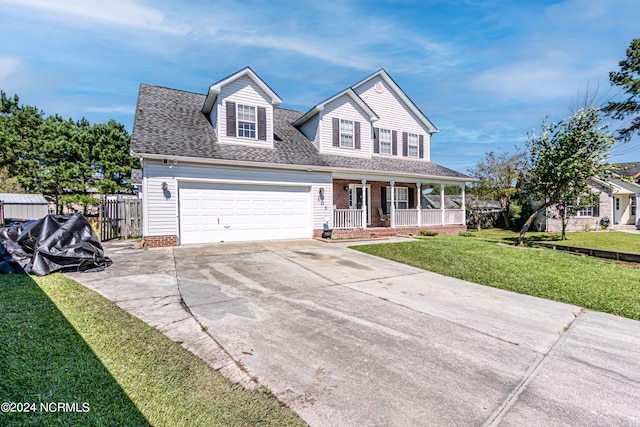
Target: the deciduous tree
(561, 161)
(498, 177)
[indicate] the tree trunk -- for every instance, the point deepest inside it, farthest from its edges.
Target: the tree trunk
(505, 215)
(564, 224)
(528, 222)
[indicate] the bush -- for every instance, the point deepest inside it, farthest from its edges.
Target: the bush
(430, 233)
(466, 234)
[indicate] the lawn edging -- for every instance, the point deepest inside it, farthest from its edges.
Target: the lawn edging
(599, 253)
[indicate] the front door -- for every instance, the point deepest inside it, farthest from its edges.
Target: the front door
(356, 199)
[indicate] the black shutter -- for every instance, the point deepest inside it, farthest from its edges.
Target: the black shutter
(376, 140)
(394, 142)
(412, 198)
(336, 132)
(405, 144)
(421, 148)
(383, 199)
(356, 136)
(231, 118)
(262, 123)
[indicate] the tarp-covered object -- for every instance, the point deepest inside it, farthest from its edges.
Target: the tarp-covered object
(52, 243)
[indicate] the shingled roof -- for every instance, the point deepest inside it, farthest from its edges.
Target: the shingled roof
(170, 122)
(630, 169)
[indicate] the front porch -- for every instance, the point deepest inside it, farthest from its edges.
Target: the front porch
(360, 205)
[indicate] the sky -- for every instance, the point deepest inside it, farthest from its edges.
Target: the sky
(485, 72)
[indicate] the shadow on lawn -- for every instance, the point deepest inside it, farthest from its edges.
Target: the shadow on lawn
(530, 240)
(44, 360)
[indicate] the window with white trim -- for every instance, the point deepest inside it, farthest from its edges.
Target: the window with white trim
(385, 141)
(412, 145)
(401, 195)
(246, 121)
(589, 211)
(346, 133)
(632, 205)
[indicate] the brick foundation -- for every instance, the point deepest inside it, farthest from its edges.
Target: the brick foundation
(386, 231)
(160, 241)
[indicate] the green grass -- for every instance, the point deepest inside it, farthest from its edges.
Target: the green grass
(583, 281)
(60, 342)
(605, 240)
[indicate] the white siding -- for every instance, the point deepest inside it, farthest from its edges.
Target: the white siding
(243, 91)
(322, 208)
(160, 208)
(162, 214)
(345, 108)
(310, 130)
(394, 114)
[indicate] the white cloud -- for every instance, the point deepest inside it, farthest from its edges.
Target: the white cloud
(114, 12)
(9, 66)
(114, 109)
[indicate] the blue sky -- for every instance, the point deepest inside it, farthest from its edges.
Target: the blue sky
(486, 72)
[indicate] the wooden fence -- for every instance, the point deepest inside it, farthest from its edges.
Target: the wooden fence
(120, 218)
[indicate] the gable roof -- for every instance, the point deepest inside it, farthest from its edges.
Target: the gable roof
(169, 123)
(214, 89)
(618, 185)
(349, 92)
(382, 73)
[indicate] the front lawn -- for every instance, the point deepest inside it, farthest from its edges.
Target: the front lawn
(605, 240)
(63, 343)
(582, 281)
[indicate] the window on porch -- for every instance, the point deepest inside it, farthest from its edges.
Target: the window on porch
(403, 196)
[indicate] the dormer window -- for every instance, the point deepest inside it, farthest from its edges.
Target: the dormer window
(346, 133)
(246, 121)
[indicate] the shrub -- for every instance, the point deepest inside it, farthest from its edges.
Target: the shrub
(430, 233)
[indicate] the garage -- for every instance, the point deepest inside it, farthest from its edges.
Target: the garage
(225, 212)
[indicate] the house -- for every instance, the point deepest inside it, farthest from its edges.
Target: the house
(618, 202)
(631, 170)
(231, 165)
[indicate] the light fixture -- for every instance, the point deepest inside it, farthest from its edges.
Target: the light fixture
(164, 186)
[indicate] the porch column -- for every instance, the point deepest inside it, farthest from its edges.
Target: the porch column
(364, 203)
(393, 205)
(464, 206)
(419, 204)
(442, 204)
(637, 217)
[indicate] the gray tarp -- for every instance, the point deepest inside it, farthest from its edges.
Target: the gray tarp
(53, 243)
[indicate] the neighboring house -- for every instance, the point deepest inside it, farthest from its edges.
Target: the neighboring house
(631, 169)
(15, 206)
(230, 165)
(618, 202)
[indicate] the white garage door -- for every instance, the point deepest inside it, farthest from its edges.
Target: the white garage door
(225, 213)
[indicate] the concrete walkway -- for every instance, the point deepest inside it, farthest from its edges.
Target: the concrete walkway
(345, 338)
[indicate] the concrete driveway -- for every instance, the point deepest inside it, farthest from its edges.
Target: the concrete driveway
(347, 339)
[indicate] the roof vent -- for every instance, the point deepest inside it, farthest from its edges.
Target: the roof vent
(378, 87)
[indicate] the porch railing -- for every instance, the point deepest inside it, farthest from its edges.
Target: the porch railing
(454, 216)
(431, 217)
(406, 217)
(352, 218)
(345, 219)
